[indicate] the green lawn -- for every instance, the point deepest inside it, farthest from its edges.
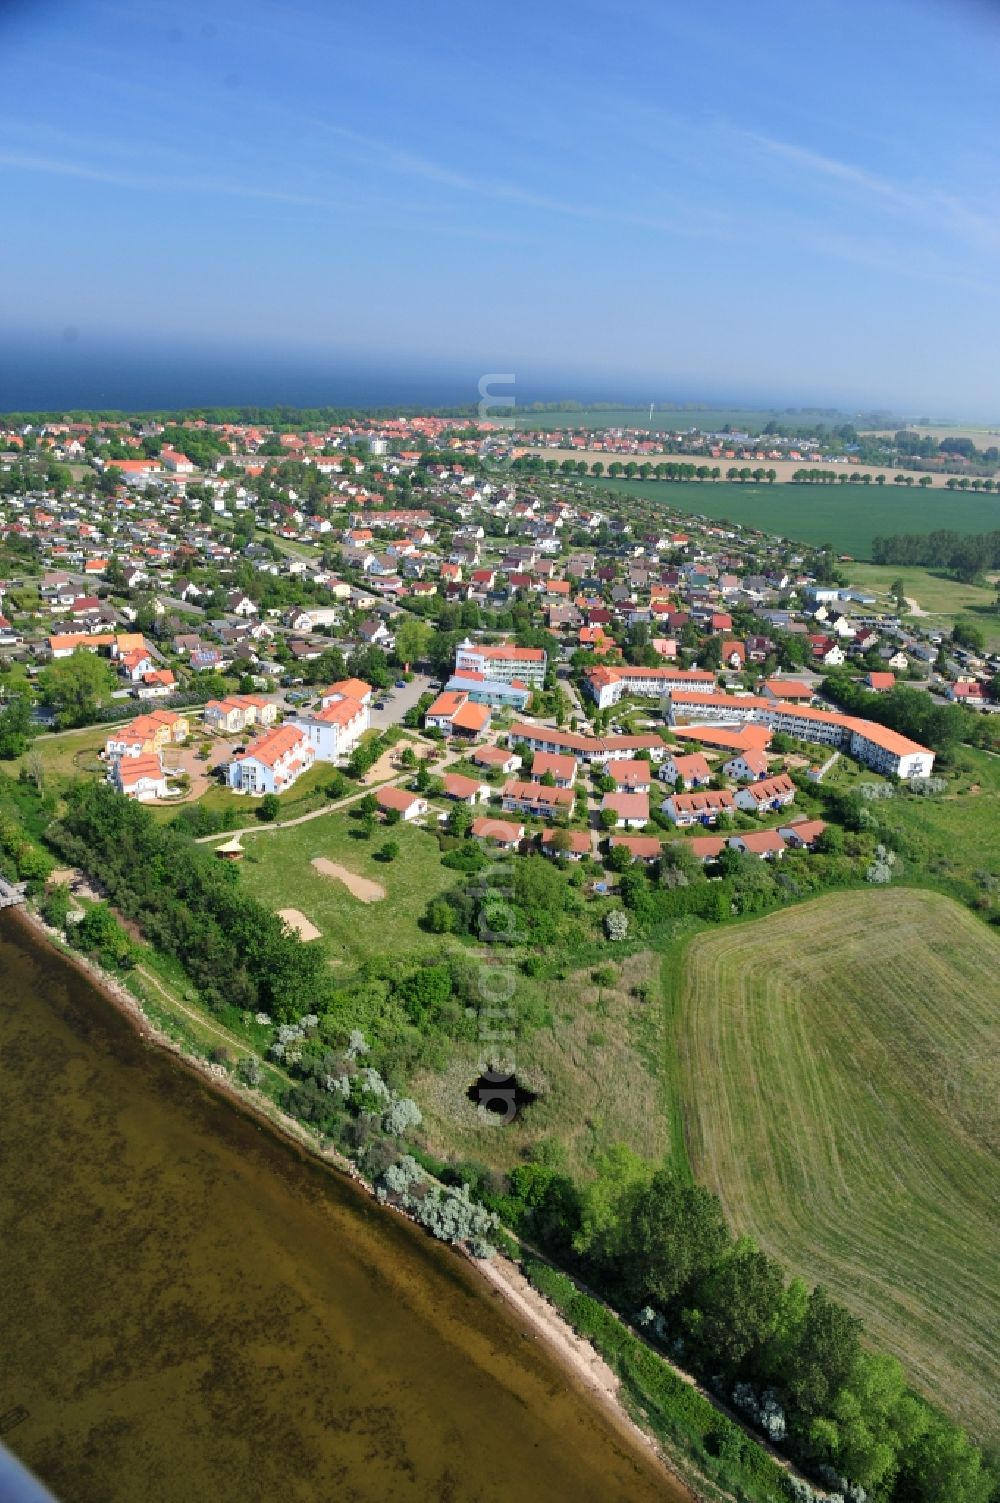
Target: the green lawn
(837, 1065)
(239, 811)
(846, 516)
(278, 871)
(66, 754)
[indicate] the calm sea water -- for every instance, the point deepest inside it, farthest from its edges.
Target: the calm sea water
(193, 1312)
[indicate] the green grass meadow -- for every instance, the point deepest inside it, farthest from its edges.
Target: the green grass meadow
(277, 869)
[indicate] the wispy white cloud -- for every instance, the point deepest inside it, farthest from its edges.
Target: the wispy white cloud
(154, 182)
(940, 208)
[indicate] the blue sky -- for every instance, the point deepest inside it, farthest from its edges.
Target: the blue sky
(794, 202)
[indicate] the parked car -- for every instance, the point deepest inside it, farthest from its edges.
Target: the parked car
(401, 683)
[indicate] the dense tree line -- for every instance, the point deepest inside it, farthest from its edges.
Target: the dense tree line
(912, 713)
(966, 555)
(791, 1359)
(190, 905)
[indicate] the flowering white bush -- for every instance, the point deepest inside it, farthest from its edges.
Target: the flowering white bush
(356, 1045)
(927, 786)
(616, 924)
(401, 1116)
(880, 870)
(446, 1211)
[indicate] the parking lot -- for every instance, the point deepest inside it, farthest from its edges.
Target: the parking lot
(397, 701)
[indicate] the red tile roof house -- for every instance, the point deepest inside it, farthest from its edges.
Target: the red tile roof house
(465, 790)
(455, 714)
(273, 762)
(535, 798)
(499, 758)
(631, 810)
(767, 844)
(967, 692)
(880, 682)
(140, 777)
(562, 768)
(499, 832)
(769, 793)
(704, 847)
(698, 808)
(641, 847)
(631, 776)
(692, 769)
(409, 805)
(576, 850)
(803, 834)
(746, 767)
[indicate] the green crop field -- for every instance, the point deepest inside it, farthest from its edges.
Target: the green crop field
(847, 516)
(838, 1067)
(278, 870)
(670, 419)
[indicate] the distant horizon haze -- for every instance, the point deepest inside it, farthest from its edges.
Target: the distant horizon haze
(70, 370)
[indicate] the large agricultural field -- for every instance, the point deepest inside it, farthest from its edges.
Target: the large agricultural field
(671, 419)
(838, 1068)
(846, 516)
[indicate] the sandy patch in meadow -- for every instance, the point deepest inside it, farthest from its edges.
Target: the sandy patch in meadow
(361, 887)
(298, 923)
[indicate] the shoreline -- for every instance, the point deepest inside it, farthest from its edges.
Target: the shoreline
(583, 1364)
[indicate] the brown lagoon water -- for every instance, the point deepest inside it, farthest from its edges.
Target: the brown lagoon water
(191, 1311)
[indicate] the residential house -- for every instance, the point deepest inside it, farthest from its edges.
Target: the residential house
(408, 805)
(335, 728)
(768, 845)
(273, 762)
(802, 834)
(766, 794)
(465, 790)
(141, 778)
(692, 769)
(237, 712)
(703, 808)
(568, 845)
(496, 758)
(631, 810)
(562, 768)
(631, 775)
(535, 798)
(747, 766)
(238, 603)
(644, 848)
(497, 832)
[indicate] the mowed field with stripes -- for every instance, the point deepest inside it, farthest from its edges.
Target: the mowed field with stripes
(838, 1068)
